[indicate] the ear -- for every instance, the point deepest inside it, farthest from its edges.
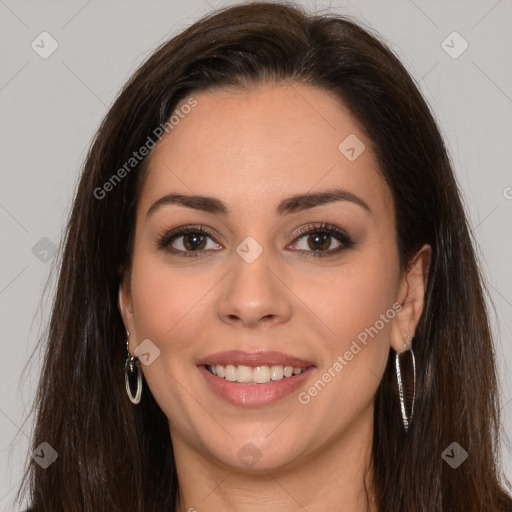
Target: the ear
(124, 304)
(411, 297)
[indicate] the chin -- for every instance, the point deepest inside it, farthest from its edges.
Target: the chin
(260, 454)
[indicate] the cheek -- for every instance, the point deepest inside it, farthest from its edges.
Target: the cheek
(352, 298)
(165, 303)
(168, 309)
(358, 309)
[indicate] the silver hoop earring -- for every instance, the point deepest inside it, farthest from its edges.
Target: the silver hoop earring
(406, 419)
(132, 365)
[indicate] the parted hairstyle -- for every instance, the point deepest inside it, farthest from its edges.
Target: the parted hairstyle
(114, 456)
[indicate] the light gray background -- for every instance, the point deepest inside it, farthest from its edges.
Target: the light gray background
(50, 109)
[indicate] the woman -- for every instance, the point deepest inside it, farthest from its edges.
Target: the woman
(268, 295)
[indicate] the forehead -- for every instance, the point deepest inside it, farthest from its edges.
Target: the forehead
(251, 147)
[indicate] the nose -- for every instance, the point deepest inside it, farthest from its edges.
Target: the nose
(255, 294)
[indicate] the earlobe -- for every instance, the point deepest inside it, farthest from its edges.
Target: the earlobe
(412, 292)
(403, 328)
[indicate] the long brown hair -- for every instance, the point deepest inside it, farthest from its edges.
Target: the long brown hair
(117, 457)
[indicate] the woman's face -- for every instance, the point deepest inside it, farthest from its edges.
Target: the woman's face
(281, 279)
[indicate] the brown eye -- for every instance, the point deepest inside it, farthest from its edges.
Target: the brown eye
(193, 241)
(317, 240)
(188, 241)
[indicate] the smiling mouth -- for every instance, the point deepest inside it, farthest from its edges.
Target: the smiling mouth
(254, 375)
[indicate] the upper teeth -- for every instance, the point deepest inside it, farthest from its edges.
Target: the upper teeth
(258, 374)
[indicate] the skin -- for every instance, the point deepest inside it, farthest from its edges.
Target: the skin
(251, 149)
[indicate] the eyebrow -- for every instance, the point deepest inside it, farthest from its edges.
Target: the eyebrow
(291, 204)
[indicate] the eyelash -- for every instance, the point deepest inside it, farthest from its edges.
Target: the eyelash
(167, 237)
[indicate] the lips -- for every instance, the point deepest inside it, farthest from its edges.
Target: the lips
(252, 394)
